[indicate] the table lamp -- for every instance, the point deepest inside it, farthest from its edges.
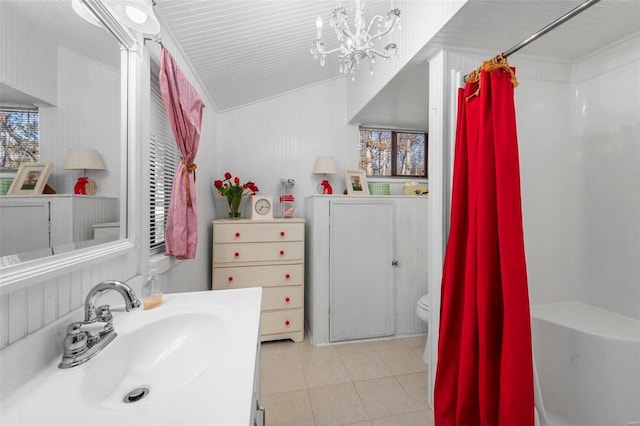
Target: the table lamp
(84, 159)
(325, 166)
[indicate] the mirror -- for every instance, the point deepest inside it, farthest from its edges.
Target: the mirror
(70, 70)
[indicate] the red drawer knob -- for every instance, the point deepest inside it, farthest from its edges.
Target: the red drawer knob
(230, 279)
(287, 276)
(237, 234)
(286, 299)
(287, 323)
(281, 252)
(282, 233)
(236, 254)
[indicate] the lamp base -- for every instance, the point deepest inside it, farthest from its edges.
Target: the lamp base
(85, 186)
(325, 188)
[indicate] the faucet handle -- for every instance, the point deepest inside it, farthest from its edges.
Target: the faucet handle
(104, 313)
(75, 343)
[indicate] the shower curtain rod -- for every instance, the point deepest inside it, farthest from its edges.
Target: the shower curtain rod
(551, 26)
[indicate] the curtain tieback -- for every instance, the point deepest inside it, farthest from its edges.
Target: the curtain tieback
(188, 168)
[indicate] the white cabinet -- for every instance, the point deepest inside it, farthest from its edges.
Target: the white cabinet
(267, 254)
(41, 221)
(366, 266)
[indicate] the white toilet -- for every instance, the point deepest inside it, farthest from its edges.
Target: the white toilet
(422, 309)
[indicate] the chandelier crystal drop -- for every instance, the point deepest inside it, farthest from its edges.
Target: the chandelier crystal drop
(359, 44)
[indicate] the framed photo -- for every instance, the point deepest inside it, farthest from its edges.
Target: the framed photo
(30, 179)
(356, 182)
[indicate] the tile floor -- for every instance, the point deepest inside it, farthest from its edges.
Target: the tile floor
(367, 383)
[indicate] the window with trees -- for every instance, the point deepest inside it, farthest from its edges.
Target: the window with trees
(19, 137)
(385, 152)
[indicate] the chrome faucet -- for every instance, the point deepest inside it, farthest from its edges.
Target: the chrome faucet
(86, 338)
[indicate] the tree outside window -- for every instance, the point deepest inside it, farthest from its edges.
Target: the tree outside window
(385, 152)
(19, 137)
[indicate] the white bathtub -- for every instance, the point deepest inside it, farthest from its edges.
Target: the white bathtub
(588, 362)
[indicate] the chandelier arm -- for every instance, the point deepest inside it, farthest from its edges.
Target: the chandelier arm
(384, 33)
(321, 50)
(382, 55)
(378, 17)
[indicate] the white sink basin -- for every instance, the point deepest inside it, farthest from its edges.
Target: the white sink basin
(195, 355)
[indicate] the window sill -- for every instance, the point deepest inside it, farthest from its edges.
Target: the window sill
(161, 263)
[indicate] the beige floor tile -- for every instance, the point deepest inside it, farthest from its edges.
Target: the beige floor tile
(365, 423)
(336, 405)
(318, 352)
(415, 385)
(382, 345)
(384, 397)
(364, 366)
(417, 418)
(416, 341)
(279, 349)
(288, 409)
(404, 360)
(281, 375)
(322, 371)
(355, 348)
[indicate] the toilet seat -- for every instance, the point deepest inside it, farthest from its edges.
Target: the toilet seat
(423, 302)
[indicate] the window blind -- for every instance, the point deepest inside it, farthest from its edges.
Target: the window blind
(163, 161)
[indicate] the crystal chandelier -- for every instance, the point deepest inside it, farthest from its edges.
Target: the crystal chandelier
(356, 45)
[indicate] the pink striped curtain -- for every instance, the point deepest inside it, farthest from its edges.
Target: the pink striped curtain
(184, 109)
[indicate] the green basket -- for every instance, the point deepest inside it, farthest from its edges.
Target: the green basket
(379, 189)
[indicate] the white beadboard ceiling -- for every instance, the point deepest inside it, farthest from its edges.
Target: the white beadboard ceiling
(245, 51)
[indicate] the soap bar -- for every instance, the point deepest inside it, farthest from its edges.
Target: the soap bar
(152, 301)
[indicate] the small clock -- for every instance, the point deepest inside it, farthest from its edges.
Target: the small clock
(261, 207)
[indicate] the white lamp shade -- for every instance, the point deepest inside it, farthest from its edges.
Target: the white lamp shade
(136, 14)
(324, 166)
(84, 159)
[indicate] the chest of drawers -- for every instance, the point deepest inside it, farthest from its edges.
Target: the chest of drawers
(267, 254)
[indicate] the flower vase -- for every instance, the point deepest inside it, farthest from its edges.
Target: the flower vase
(235, 205)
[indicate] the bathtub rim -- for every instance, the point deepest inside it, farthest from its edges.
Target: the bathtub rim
(588, 319)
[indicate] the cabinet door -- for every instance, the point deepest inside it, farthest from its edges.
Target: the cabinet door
(362, 303)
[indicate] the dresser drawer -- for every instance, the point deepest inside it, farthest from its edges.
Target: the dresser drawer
(239, 232)
(258, 276)
(258, 252)
(272, 322)
(282, 298)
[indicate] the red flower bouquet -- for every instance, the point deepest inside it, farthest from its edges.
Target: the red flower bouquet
(231, 188)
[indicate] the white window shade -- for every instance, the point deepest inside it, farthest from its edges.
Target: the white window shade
(163, 162)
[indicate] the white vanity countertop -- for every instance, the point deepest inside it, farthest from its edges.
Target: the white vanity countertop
(196, 352)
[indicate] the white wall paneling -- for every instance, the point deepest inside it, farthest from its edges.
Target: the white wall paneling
(422, 19)
(282, 136)
(31, 65)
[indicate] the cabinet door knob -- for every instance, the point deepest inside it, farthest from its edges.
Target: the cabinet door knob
(287, 276)
(286, 299)
(236, 254)
(282, 233)
(287, 323)
(237, 234)
(281, 252)
(230, 279)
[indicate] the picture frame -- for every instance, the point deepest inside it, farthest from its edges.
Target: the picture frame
(356, 182)
(30, 179)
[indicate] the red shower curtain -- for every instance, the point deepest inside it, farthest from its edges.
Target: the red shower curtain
(184, 111)
(484, 375)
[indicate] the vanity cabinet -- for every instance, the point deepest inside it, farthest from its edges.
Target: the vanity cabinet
(267, 254)
(367, 266)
